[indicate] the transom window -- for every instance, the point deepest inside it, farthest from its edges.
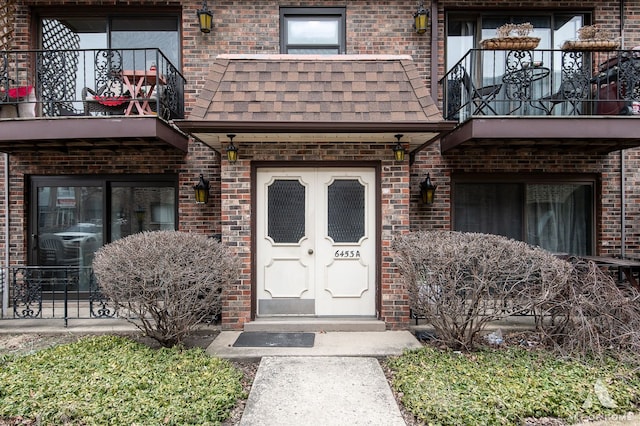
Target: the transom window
(317, 30)
(557, 215)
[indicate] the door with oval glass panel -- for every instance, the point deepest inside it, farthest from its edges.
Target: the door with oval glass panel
(316, 242)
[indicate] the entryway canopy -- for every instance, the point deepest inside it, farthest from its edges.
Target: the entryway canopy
(367, 98)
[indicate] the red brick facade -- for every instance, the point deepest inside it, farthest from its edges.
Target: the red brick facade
(373, 27)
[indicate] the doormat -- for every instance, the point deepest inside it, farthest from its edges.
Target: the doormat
(258, 339)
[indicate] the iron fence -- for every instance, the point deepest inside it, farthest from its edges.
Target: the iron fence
(542, 83)
(50, 292)
(90, 82)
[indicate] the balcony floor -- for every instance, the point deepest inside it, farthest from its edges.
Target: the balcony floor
(90, 133)
(594, 134)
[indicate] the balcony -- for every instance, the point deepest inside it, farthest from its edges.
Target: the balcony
(581, 100)
(89, 99)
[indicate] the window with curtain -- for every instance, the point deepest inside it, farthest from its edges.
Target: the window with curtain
(557, 216)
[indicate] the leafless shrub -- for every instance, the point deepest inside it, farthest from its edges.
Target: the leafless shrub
(169, 281)
(592, 316)
(459, 282)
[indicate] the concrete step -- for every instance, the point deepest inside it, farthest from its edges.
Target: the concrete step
(297, 324)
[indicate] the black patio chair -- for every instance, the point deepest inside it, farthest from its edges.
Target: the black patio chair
(574, 89)
(481, 96)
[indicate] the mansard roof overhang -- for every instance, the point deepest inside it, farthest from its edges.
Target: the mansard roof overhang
(114, 133)
(342, 98)
(416, 135)
(586, 134)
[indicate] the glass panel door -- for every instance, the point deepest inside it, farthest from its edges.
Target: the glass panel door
(69, 227)
(141, 208)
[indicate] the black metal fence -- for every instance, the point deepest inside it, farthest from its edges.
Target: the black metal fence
(542, 83)
(50, 292)
(83, 82)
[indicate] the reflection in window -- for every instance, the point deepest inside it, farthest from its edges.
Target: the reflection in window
(319, 31)
(69, 227)
(139, 209)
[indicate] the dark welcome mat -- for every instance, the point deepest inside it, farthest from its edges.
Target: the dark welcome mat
(258, 339)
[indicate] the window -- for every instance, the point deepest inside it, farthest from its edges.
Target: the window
(115, 32)
(466, 30)
(555, 215)
(89, 53)
(73, 216)
(318, 30)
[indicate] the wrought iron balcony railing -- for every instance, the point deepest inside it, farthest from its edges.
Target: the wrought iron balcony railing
(542, 83)
(52, 83)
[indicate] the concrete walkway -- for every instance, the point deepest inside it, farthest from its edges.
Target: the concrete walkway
(321, 391)
(337, 382)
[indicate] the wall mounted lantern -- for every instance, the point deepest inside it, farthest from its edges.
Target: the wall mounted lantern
(421, 19)
(205, 18)
(427, 191)
(202, 191)
(232, 151)
(398, 150)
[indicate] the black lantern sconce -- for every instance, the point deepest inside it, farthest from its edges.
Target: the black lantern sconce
(202, 191)
(398, 150)
(232, 151)
(427, 191)
(205, 18)
(421, 19)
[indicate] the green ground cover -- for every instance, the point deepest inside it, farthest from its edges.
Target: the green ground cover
(508, 385)
(116, 380)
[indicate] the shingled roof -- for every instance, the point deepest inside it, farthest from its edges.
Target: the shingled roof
(300, 94)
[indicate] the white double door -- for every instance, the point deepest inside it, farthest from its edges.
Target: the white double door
(315, 241)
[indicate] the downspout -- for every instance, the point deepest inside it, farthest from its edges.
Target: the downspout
(622, 43)
(434, 50)
(5, 269)
(623, 210)
(623, 198)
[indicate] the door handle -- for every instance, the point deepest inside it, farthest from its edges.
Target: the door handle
(310, 251)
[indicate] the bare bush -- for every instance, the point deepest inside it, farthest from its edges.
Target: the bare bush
(459, 282)
(170, 281)
(592, 316)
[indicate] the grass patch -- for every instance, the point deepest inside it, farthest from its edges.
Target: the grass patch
(506, 386)
(115, 380)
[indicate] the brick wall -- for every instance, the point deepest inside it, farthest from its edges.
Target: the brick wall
(236, 216)
(380, 27)
(608, 220)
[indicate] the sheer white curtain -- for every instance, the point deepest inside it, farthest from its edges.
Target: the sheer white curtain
(557, 217)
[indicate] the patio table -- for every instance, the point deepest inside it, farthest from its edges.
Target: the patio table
(520, 85)
(626, 267)
(135, 81)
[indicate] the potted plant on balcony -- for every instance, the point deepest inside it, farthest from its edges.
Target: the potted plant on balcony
(590, 37)
(512, 37)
